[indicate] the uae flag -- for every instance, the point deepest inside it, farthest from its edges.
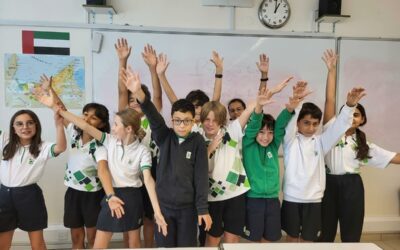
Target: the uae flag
(43, 42)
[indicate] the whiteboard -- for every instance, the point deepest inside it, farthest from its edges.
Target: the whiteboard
(190, 67)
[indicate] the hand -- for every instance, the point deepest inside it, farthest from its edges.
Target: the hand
(300, 90)
(149, 56)
(162, 64)
(116, 208)
(330, 59)
(215, 143)
(293, 103)
(207, 221)
(45, 82)
(161, 223)
(264, 97)
(44, 96)
(122, 48)
(218, 62)
(263, 64)
(131, 80)
(354, 96)
(278, 88)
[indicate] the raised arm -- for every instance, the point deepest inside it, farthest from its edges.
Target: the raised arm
(61, 141)
(162, 65)
(263, 67)
(150, 58)
(396, 159)
(330, 59)
(123, 51)
(219, 67)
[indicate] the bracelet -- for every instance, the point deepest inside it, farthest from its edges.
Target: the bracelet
(218, 75)
(108, 197)
(264, 79)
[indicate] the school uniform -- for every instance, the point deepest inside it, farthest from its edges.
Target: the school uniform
(22, 203)
(344, 194)
(181, 183)
(126, 163)
(304, 177)
(85, 192)
(263, 217)
(228, 183)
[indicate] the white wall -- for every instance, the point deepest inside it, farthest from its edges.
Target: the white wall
(369, 18)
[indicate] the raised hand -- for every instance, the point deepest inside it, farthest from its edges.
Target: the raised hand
(149, 56)
(354, 96)
(44, 96)
(116, 207)
(330, 59)
(278, 88)
(161, 223)
(131, 80)
(300, 90)
(218, 62)
(123, 49)
(264, 97)
(45, 82)
(263, 64)
(207, 221)
(162, 64)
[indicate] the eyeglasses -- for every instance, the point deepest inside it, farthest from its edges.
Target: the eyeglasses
(28, 124)
(178, 122)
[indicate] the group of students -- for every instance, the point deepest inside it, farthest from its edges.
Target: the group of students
(200, 181)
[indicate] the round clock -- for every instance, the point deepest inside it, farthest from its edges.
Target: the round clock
(274, 13)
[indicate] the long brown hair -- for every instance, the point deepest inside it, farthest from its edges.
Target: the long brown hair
(361, 138)
(14, 143)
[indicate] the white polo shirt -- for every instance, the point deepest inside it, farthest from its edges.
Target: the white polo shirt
(304, 177)
(226, 173)
(81, 170)
(342, 158)
(24, 169)
(126, 162)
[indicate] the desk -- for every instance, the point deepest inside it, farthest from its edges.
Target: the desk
(301, 246)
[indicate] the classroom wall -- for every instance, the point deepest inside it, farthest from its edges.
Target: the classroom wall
(190, 14)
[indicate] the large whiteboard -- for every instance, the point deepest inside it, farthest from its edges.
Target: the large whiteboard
(190, 67)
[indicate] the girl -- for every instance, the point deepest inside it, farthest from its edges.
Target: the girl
(127, 160)
(86, 158)
(343, 199)
(24, 156)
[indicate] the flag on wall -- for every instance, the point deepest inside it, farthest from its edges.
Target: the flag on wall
(43, 42)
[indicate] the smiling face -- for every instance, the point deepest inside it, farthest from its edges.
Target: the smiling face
(211, 125)
(25, 128)
(118, 129)
(308, 125)
(265, 136)
(91, 118)
(358, 119)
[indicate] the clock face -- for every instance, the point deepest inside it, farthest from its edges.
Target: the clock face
(274, 13)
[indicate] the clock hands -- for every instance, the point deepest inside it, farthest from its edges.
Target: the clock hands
(276, 6)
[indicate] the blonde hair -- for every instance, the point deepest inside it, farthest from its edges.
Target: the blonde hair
(130, 117)
(219, 110)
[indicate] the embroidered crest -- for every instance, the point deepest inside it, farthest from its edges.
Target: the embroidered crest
(188, 155)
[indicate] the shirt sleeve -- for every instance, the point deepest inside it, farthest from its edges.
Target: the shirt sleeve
(252, 128)
(235, 130)
(280, 125)
(106, 140)
(201, 177)
(47, 149)
(100, 154)
(145, 161)
(291, 128)
(380, 158)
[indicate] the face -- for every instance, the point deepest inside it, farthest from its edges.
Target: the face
(25, 128)
(358, 119)
(118, 129)
(308, 126)
(197, 113)
(133, 104)
(235, 110)
(265, 136)
(211, 125)
(91, 118)
(182, 123)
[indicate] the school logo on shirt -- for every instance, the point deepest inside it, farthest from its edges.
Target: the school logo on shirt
(269, 155)
(188, 155)
(30, 161)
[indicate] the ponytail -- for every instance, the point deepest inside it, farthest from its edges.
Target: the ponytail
(362, 146)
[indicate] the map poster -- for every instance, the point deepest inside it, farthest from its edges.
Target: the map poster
(22, 74)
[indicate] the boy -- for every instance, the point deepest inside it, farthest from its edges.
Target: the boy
(182, 172)
(304, 178)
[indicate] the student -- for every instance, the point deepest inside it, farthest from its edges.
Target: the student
(261, 142)
(86, 157)
(197, 97)
(24, 157)
(128, 160)
(343, 199)
(125, 98)
(182, 169)
(304, 151)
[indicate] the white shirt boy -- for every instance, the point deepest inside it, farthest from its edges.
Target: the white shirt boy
(304, 177)
(81, 170)
(24, 169)
(126, 162)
